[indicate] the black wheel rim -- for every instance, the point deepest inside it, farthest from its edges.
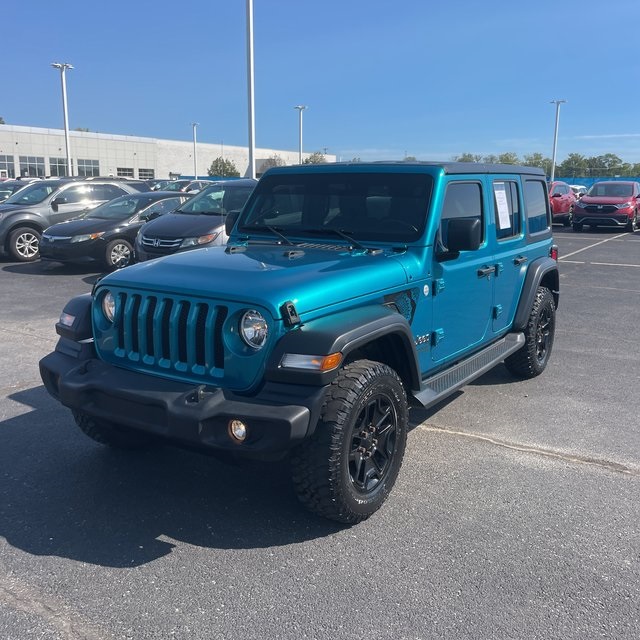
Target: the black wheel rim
(373, 444)
(543, 333)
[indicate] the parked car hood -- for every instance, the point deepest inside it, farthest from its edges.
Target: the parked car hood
(604, 200)
(83, 225)
(311, 278)
(181, 225)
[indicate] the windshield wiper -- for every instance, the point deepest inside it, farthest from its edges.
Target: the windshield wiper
(343, 233)
(275, 230)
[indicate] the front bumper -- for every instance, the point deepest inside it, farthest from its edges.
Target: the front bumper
(65, 251)
(607, 219)
(277, 417)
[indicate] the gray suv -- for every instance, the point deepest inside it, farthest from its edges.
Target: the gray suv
(28, 212)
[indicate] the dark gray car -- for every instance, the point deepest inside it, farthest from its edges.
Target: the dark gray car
(28, 212)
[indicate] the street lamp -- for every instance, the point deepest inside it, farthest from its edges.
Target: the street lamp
(195, 152)
(250, 89)
(300, 108)
(555, 137)
(63, 66)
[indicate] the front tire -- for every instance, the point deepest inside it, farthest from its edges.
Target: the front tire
(632, 225)
(532, 359)
(111, 435)
(24, 244)
(347, 469)
(118, 254)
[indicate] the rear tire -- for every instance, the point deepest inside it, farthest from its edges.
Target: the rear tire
(531, 360)
(111, 435)
(24, 244)
(346, 470)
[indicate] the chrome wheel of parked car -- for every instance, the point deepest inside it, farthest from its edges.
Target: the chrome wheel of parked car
(119, 254)
(24, 244)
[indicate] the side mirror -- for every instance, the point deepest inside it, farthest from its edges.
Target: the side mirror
(464, 234)
(152, 215)
(230, 221)
(56, 202)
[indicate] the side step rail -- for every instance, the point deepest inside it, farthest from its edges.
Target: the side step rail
(446, 382)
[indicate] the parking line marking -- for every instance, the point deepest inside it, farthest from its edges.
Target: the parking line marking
(621, 235)
(614, 264)
(574, 261)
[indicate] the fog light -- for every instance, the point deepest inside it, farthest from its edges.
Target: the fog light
(237, 430)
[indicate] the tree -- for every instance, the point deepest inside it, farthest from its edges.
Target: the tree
(81, 129)
(315, 158)
(2, 120)
(572, 166)
(490, 159)
(508, 158)
(223, 168)
(410, 159)
(467, 157)
(538, 160)
(272, 161)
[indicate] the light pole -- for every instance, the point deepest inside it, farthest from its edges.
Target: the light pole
(252, 120)
(555, 137)
(63, 66)
(195, 151)
(300, 108)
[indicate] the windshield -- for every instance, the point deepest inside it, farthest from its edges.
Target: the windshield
(611, 190)
(32, 194)
(217, 200)
(176, 185)
(120, 208)
(366, 206)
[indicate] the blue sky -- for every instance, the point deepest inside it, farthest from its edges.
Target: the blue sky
(381, 79)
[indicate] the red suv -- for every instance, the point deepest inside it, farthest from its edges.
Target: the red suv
(609, 204)
(562, 200)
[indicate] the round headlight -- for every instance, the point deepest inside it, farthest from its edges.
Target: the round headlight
(254, 329)
(109, 306)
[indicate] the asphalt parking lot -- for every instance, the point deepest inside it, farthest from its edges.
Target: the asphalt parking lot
(515, 515)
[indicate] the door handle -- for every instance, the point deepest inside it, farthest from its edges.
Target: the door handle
(520, 260)
(486, 271)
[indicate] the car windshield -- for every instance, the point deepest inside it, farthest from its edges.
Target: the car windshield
(611, 190)
(32, 194)
(120, 208)
(217, 200)
(366, 206)
(175, 185)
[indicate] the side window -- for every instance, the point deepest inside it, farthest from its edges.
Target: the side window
(107, 192)
(461, 200)
(165, 206)
(77, 194)
(536, 206)
(507, 208)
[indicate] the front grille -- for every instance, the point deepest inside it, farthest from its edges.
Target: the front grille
(161, 245)
(157, 332)
(605, 208)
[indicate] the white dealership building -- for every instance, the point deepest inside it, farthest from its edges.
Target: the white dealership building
(33, 151)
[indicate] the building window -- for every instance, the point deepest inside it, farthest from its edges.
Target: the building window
(58, 166)
(7, 167)
(124, 172)
(146, 174)
(87, 168)
(32, 166)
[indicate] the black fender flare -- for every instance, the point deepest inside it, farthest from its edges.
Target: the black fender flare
(345, 332)
(542, 269)
(81, 328)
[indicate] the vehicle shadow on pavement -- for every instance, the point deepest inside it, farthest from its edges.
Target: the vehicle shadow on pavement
(52, 269)
(64, 495)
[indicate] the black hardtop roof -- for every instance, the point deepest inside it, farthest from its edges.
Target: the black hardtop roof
(461, 168)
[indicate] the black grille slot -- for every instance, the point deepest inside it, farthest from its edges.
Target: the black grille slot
(161, 333)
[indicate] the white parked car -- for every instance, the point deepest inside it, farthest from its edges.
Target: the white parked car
(578, 189)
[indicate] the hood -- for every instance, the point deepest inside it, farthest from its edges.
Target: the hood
(604, 200)
(182, 225)
(268, 276)
(82, 226)
(12, 207)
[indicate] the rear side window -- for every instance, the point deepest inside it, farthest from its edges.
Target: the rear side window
(507, 208)
(536, 206)
(107, 191)
(461, 200)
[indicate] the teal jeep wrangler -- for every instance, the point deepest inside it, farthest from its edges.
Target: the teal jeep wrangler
(346, 293)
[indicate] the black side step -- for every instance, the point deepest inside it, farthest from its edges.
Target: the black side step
(446, 382)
